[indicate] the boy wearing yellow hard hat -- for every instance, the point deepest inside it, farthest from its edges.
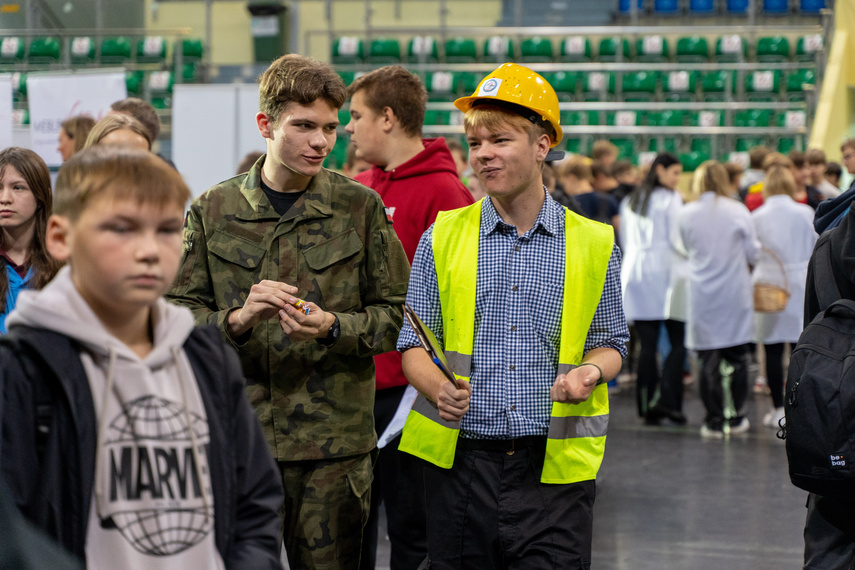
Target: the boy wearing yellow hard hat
(524, 296)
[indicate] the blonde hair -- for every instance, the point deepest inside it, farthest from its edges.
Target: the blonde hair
(779, 181)
(116, 122)
(777, 159)
(495, 118)
(117, 172)
(603, 148)
(711, 176)
(578, 166)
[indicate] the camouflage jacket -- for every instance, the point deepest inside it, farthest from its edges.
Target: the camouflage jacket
(337, 247)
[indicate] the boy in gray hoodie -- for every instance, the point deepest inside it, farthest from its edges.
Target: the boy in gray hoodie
(125, 432)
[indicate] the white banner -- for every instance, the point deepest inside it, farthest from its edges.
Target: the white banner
(5, 111)
(54, 98)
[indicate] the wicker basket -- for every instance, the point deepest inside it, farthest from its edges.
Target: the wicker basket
(769, 298)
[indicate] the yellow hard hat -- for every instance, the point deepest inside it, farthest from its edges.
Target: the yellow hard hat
(519, 89)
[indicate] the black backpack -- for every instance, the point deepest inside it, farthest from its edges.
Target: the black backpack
(820, 397)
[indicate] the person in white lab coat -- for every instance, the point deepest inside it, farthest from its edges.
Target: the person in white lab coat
(785, 230)
(720, 243)
(647, 232)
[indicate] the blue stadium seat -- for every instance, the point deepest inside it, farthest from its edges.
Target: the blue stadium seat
(812, 6)
(701, 6)
(625, 6)
(776, 6)
(737, 6)
(661, 7)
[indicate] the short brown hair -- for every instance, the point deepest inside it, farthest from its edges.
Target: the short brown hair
(848, 143)
(248, 161)
(394, 87)
(111, 123)
(756, 156)
(798, 158)
(77, 128)
(621, 167)
(776, 159)
(710, 176)
(603, 148)
(815, 156)
(779, 180)
(493, 118)
(600, 169)
(142, 111)
(578, 166)
(733, 170)
(119, 173)
(298, 79)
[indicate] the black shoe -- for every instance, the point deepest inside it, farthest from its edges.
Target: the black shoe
(675, 416)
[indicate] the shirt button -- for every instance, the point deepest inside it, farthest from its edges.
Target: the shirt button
(516, 248)
(514, 288)
(513, 328)
(511, 367)
(513, 407)
(510, 452)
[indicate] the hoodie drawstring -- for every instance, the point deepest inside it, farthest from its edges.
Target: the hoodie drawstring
(102, 422)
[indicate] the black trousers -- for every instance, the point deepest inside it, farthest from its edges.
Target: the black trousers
(668, 392)
(775, 372)
(829, 534)
(399, 484)
(491, 511)
(724, 381)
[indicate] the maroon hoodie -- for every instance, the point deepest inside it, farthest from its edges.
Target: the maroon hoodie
(413, 194)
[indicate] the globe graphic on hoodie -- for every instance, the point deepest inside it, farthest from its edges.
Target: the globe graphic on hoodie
(155, 494)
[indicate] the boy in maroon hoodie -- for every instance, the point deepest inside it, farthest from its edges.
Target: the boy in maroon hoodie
(417, 178)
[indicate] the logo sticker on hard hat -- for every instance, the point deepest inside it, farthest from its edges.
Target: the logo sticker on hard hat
(490, 87)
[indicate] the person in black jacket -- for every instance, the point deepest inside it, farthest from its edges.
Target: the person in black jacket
(126, 435)
(830, 525)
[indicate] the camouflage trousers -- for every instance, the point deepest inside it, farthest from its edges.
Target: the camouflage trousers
(326, 507)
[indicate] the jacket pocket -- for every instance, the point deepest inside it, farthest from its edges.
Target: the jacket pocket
(235, 250)
(336, 269)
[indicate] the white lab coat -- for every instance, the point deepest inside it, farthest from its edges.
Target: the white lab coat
(647, 274)
(786, 228)
(720, 244)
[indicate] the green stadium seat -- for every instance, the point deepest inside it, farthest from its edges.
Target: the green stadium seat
(191, 73)
(787, 144)
(608, 50)
(714, 84)
(44, 50)
(564, 83)
(20, 117)
(468, 81)
(692, 49)
(434, 117)
(669, 144)
(679, 86)
(624, 118)
(461, 50)
(115, 50)
(19, 86)
(763, 85)
(666, 118)
(729, 47)
(338, 155)
(422, 49)
(706, 118)
(745, 144)
(499, 48)
(570, 118)
(161, 101)
(192, 50)
(625, 147)
(344, 115)
(807, 46)
(347, 49)
(701, 145)
(796, 82)
(692, 160)
(160, 83)
(11, 50)
(753, 118)
(773, 49)
(134, 82)
(791, 119)
(652, 49)
(151, 49)
(346, 76)
(575, 49)
(536, 50)
(384, 50)
(594, 118)
(595, 83)
(573, 145)
(82, 50)
(639, 86)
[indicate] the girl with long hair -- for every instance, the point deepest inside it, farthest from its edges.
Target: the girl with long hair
(25, 205)
(647, 231)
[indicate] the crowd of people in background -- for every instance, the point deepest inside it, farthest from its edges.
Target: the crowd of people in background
(693, 249)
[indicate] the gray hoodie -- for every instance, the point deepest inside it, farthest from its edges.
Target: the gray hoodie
(152, 502)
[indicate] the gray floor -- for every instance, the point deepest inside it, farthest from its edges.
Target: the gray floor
(666, 499)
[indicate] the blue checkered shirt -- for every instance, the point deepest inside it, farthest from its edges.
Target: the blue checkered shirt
(518, 299)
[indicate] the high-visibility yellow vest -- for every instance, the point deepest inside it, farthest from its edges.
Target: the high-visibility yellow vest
(577, 432)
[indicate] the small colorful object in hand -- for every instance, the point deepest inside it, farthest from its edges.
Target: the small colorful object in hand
(302, 306)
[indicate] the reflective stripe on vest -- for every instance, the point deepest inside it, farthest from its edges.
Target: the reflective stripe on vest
(577, 432)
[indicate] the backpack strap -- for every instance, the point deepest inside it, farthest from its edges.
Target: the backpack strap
(825, 283)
